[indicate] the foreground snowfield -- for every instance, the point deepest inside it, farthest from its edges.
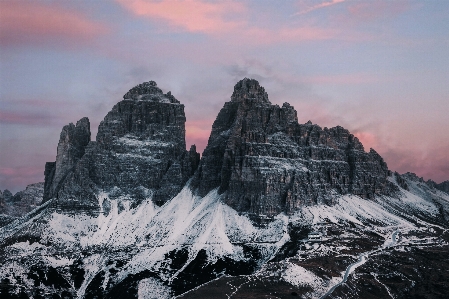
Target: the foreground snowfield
(126, 242)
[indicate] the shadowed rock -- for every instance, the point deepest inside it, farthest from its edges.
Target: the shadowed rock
(139, 152)
(266, 162)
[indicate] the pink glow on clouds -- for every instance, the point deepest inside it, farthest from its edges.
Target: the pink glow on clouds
(369, 140)
(214, 18)
(429, 165)
(190, 15)
(35, 22)
(7, 117)
(372, 10)
(197, 132)
(20, 176)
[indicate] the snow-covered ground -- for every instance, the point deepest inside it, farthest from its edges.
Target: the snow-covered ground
(146, 234)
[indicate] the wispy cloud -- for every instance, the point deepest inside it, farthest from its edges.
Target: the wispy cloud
(373, 10)
(26, 118)
(227, 20)
(16, 178)
(189, 15)
(432, 164)
(311, 8)
(28, 22)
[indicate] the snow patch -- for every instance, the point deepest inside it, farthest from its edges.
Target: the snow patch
(151, 288)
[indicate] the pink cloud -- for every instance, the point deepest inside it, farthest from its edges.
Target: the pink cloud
(8, 117)
(432, 164)
(372, 10)
(17, 178)
(189, 15)
(369, 140)
(227, 20)
(36, 22)
(197, 132)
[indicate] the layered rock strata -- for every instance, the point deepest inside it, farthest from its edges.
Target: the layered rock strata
(265, 162)
(71, 147)
(139, 152)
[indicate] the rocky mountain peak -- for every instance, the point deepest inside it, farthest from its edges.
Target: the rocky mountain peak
(265, 162)
(139, 150)
(71, 147)
(148, 91)
(249, 89)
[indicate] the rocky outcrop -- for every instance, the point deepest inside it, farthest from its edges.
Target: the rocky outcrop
(21, 203)
(139, 152)
(265, 162)
(71, 147)
(3, 204)
(444, 186)
(27, 200)
(401, 181)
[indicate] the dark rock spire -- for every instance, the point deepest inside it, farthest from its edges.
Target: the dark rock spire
(265, 162)
(249, 89)
(139, 152)
(71, 147)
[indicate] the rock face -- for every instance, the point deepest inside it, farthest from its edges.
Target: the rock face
(444, 186)
(267, 163)
(27, 200)
(140, 151)
(71, 147)
(21, 203)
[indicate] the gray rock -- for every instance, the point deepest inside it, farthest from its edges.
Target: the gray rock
(21, 203)
(71, 148)
(140, 150)
(444, 186)
(266, 162)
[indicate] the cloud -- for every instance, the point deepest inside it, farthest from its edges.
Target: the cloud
(356, 78)
(308, 9)
(16, 178)
(373, 10)
(369, 140)
(432, 164)
(227, 20)
(27, 118)
(259, 36)
(27, 22)
(197, 132)
(189, 15)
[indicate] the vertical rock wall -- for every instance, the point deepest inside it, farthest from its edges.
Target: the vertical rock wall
(139, 152)
(266, 162)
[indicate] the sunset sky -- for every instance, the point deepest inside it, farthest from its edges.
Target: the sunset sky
(378, 68)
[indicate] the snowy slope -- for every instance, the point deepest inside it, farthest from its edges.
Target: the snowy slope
(149, 238)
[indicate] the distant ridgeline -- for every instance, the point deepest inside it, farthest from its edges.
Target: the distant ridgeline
(258, 155)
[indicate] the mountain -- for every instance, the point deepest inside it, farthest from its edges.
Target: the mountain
(273, 209)
(21, 203)
(139, 152)
(266, 163)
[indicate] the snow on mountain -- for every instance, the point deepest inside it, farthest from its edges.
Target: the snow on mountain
(273, 208)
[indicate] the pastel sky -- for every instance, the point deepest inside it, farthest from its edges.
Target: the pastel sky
(378, 68)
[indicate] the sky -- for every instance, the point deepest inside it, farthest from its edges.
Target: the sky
(378, 68)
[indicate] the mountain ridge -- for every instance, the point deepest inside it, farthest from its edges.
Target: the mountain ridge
(272, 208)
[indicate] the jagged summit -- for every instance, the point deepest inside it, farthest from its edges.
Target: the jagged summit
(139, 150)
(249, 89)
(265, 162)
(150, 92)
(272, 206)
